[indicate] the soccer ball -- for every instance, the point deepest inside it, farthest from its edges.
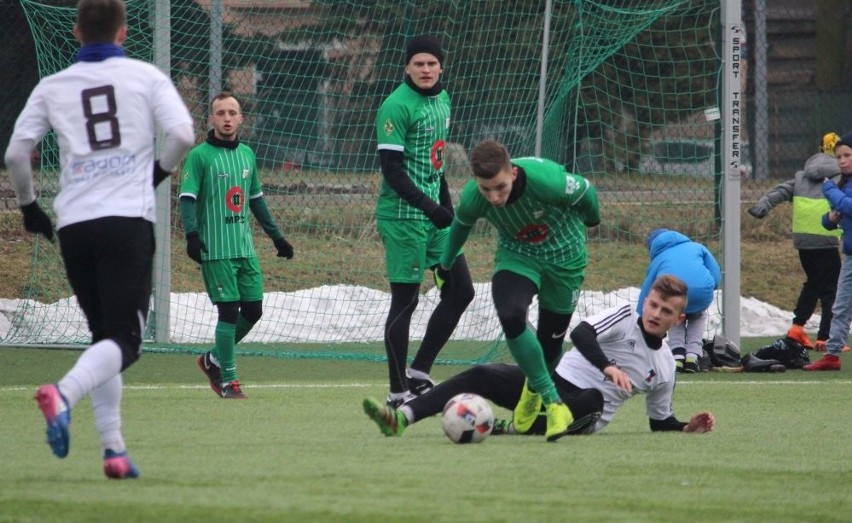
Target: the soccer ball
(467, 418)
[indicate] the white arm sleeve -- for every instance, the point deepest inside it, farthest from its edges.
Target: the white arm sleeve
(178, 141)
(20, 171)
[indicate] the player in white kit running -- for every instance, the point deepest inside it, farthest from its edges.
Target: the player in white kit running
(105, 110)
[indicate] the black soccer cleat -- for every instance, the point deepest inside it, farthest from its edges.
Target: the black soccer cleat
(396, 403)
(212, 371)
(690, 366)
(233, 391)
(419, 386)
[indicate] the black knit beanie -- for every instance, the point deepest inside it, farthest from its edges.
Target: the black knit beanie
(424, 44)
(846, 140)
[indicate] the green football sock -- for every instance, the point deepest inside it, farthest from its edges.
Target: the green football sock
(527, 352)
(225, 350)
(243, 328)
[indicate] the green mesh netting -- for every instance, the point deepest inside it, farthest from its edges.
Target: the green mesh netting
(627, 86)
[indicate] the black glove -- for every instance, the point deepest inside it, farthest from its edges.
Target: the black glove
(759, 211)
(160, 174)
(443, 280)
(194, 246)
(36, 221)
(440, 216)
(285, 250)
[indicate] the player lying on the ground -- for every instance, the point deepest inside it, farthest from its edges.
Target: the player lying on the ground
(617, 355)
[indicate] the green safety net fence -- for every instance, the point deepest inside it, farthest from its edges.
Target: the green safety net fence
(628, 90)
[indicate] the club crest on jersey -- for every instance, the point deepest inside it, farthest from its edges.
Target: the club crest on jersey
(571, 185)
(389, 128)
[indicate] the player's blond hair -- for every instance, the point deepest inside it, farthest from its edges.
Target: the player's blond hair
(98, 21)
(489, 158)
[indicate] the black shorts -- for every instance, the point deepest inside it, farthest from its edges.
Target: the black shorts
(109, 266)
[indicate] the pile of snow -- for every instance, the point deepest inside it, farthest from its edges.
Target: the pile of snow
(341, 313)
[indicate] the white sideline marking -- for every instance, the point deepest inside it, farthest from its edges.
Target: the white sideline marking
(774, 382)
(173, 386)
(205, 386)
(258, 386)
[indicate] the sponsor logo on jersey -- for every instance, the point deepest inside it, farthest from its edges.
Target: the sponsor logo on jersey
(245, 173)
(437, 154)
(222, 175)
(430, 130)
(117, 165)
(237, 218)
(650, 376)
(538, 214)
(534, 233)
(235, 199)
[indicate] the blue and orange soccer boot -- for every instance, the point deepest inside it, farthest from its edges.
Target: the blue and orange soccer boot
(57, 414)
(117, 465)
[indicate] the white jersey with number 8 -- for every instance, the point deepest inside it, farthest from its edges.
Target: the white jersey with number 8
(105, 115)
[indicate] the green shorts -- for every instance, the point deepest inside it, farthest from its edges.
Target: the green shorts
(558, 286)
(237, 279)
(411, 247)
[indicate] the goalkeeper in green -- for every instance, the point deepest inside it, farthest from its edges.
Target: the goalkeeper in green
(219, 178)
(541, 213)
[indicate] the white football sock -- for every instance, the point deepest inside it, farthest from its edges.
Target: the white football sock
(106, 402)
(408, 413)
(98, 364)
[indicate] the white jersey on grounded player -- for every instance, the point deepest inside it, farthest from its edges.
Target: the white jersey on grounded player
(105, 115)
(651, 372)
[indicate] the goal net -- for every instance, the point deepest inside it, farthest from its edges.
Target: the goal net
(626, 96)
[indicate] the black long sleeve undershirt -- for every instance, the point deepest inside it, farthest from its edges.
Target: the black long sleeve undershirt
(669, 424)
(393, 169)
(585, 339)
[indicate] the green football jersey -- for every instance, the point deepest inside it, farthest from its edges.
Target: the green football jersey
(222, 181)
(417, 126)
(548, 221)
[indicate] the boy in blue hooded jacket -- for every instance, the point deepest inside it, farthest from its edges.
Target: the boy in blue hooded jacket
(674, 253)
(839, 195)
